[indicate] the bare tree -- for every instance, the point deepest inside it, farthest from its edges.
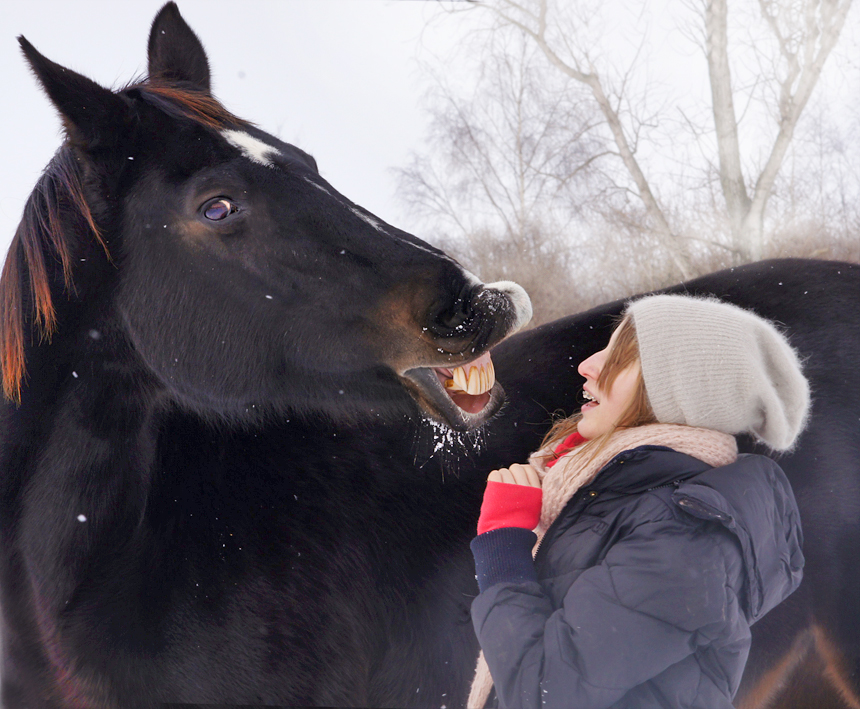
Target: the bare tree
(533, 20)
(817, 194)
(805, 32)
(574, 157)
(506, 177)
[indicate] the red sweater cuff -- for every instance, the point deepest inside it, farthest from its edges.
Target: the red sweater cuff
(508, 505)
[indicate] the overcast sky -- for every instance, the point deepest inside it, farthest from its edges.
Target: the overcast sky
(338, 78)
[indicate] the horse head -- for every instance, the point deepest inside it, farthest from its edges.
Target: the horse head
(237, 278)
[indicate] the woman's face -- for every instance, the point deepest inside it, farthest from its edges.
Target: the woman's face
(606, 408)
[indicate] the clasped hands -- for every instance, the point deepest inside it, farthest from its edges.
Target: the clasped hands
(512, 499)
(516, 475)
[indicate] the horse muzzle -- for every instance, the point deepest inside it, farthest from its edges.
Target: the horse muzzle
(465, 396)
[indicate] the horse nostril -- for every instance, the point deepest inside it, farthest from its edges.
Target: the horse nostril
(455, 316)
(458, 314)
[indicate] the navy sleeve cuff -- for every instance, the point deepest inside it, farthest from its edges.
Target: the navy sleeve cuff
(504, 555)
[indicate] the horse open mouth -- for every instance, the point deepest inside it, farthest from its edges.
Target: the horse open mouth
(463, 397)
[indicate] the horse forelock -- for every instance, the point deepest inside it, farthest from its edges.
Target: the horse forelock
(25, 285)
(181, 102)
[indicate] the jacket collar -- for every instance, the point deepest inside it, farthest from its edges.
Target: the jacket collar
(645, 467)
(580, 467)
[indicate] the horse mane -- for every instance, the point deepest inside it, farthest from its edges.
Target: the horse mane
(180, 102)
(56, 215)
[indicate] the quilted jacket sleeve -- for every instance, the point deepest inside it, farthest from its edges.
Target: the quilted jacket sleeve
(621, 623)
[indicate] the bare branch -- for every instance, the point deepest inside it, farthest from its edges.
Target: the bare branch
(731, 175)
(792, 102)
(548, 149)
(610, 113)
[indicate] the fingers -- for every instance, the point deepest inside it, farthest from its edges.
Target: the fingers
(516, 475)
(532, 475)
(496, 476)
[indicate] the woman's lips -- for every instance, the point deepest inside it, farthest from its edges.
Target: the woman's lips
(590, 400)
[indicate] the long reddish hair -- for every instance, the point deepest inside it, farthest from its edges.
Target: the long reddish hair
(624, 354)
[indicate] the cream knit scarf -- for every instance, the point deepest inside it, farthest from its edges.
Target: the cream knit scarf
(578, 468)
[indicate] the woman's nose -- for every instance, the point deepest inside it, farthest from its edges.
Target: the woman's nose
(588, 368)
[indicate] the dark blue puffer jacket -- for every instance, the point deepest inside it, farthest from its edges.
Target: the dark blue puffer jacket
(643, 590)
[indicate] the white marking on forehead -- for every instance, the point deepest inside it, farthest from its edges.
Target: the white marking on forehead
(253, 148)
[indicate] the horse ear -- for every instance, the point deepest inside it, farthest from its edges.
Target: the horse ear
(94, 116)
(175, 52)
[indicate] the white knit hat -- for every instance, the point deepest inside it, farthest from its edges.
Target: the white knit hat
(710, 364)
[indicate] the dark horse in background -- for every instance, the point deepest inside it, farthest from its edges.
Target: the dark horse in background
(229, 469)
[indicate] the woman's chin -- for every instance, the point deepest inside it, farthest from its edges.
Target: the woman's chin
(590, 429)
(584, 430)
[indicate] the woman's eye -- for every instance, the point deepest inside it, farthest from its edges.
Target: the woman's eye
(219, 209)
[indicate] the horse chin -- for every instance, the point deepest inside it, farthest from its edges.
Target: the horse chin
(461, 412)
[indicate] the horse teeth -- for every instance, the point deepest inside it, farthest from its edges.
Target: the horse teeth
(473, 384)
(489, 376)
(460, 379)
(475, 381)
(479, 379)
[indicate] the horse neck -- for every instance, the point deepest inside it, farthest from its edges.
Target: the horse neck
(96, 439)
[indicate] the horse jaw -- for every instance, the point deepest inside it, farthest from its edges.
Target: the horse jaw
(426, 388)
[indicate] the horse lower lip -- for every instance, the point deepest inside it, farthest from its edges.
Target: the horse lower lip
(471, 403)
(459, 410)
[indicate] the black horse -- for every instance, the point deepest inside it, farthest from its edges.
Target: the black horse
(230, 470)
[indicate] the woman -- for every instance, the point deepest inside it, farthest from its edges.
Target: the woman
(659, 545)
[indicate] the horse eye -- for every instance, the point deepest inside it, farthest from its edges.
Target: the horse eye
(219, 209)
